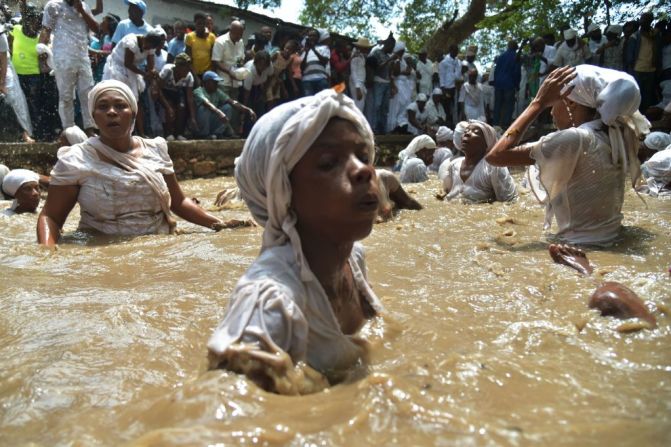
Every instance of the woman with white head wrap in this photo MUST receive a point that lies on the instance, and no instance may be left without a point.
(657, 169)
(403, 88)
(458, 133)
(124, 185)
(444, 141)
(470, 177)
(288, 307)
(584, 165)
(4, 170)
(23, 186)
(413, 160)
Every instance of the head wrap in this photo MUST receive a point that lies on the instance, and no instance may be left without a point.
(570, 34)
(277, 142)
(459, 130)
(422, 97)
(437, 91)
(113, 86)
(615, 29)
(323, 34)
(657, 141)
(417, 144)
(156, 31)
(4, 170)
(74, 135)
(17, 178)
(400, 46)
(444, 133)
(616, 96)
(487, 131)
(592, 27)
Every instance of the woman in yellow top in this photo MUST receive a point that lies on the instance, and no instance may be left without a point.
(199, 45)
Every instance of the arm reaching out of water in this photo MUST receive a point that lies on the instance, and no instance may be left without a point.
(59, 203)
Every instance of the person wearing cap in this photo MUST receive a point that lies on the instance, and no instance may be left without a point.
(134, 24)
(507, 76)
(213, 107)
(471, 53)
(315, 62)
(656, 171)
(175, 94)
(595, 41)
(402, 87)
(24, 187)
(610, 53)
(357, 77)
(572, 51)
(472, 99)
(417, 116)
(435, 110)
(424, 72)
(199, 44)
(70, 21)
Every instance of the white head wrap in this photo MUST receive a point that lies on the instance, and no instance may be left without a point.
(437, 91)
(657, 141)
(570, 34)
(74, 135)
(459, 130)
(400, 46)
(422, 97)
(111, 85)
(444, 133)
(487, 131)
(592, 27)
(417, 144)
(15, 179)
(323, 34)
(4, 170)
(277, 142)
(616, 96)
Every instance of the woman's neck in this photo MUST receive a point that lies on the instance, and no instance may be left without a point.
(473, 159)
(121, 144)
(326, 260)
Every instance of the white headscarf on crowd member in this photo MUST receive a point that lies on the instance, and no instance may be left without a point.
(277, 142)
(616, 96)
(125, 160)
(570, 34)
(444, 133)
(418, 143)
(657, 141)
(15, 179)
(4, 170)
(400, 46)
(459, 130)
(323, 34)
(75, 135)
(487, 131)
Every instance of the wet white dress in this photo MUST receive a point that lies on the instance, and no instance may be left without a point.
(114, 200)
(585, 189)
(657, 173)
(413, 170)
(115, 67)
(273, 308)
(486, 183)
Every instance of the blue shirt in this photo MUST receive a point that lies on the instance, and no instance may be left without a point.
(508, 71)
(176, 46)
(126, 27)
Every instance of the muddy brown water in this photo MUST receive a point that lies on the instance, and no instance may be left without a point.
(486, 341)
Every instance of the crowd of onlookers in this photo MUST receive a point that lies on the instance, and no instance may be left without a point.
(192, 81)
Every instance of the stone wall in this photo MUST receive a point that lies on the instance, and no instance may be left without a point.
(192, 159)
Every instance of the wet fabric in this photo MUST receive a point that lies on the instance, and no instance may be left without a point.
(15, 97)
(657, 173)
(439, 156)
(486, 183)
(115, 68)
(473, 98)
(405, 87)
(413, 170)
(4, 170)
(70, 31)
(279, 304)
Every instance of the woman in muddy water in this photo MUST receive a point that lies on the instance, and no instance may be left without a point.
(306, 173)
(124, 185)
(584, 164)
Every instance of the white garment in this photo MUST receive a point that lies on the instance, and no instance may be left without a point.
(416, 144)
(357, 78)
(160, 60)
(421, 117)
(449, 71)
(425, 70)
(279, 301)
(4, 170)
(585, 188)
(572, 56)
(435, 113)
(486, 183)
(70, 31)
(167, 74)
(405, 88)
(229, 54)
(657, 173)
(439, 156)
(256, 78)
(595, 45)
(114, 200)
(473, 98)
(413, 170)
(16, 178)
(115, 67)
(15, 96)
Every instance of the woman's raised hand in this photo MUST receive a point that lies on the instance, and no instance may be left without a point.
(551, 89)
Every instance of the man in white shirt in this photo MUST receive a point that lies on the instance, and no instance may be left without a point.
(449, 72)
(70, 21)
(254, 85)
(472, 99)
(596, 41)
(357, 78)
(417, 115)
(424, 72)
(228, 53)
(435, 110)
(572, 51)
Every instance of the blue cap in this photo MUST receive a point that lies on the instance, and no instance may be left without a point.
(211, 76)
(139, 3)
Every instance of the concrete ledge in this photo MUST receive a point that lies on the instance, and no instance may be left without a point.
(193, 158)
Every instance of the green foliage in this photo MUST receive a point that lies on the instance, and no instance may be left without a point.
(353, 17)
(244, 4)
(421, 19)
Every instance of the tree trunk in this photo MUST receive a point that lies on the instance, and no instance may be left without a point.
(456, 32)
